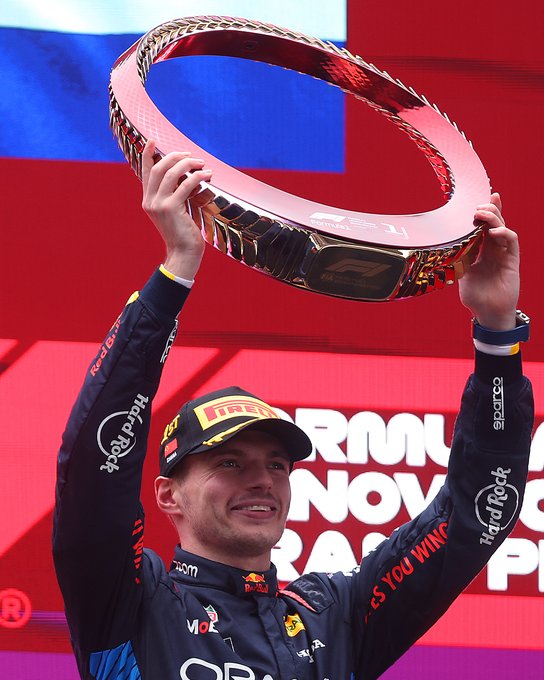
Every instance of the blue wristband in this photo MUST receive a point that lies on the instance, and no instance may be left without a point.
(518, 334)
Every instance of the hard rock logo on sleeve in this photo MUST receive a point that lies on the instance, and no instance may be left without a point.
(116, 434)
(496, 505)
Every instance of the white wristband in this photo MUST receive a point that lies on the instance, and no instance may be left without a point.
(496, 350)
(184, 282)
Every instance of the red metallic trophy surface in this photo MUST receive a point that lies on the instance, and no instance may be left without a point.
(321, 248)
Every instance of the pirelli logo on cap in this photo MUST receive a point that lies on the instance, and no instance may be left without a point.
(212, 412)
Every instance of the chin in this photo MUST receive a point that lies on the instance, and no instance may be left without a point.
(255, 544)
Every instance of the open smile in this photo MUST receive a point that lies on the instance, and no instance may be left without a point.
(255, 510)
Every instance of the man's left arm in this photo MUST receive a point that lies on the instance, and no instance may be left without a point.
(410, 580)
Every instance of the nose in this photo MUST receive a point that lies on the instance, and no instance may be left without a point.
(258, 476)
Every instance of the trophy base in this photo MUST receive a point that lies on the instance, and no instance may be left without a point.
(322, 264)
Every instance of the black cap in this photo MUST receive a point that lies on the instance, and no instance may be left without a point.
(212, 419)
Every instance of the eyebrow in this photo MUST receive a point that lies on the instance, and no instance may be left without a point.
(239, 452)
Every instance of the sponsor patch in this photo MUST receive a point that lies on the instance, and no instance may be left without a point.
(214, 617)
(255, 583)
(309, 653)
(108, 344)
(215, 411)
(496, 505)
(498, 404)
(228, 670)
(293, 625)
(170, 447)
(116, 434)
(169, 429)
(169, 342)
(197, 627)
(184, 568)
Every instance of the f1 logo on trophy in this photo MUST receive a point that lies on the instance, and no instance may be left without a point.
(342, 253)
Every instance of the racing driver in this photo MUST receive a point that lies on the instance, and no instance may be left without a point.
(217, 613)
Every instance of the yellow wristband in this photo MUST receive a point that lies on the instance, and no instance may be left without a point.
(496, 350)
(184, 282)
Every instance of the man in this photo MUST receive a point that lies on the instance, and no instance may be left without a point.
(225, 459)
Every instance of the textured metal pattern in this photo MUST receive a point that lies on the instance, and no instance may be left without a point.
(325, 249)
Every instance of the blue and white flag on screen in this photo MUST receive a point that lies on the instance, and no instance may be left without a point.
(55, 66)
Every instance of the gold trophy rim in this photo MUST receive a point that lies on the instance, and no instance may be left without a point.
(226, 219)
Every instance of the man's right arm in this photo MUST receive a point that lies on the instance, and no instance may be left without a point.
(98, 522)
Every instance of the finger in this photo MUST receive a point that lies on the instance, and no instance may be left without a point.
(159, 169)
(494, 205)
(506, 238)
(491, 216)
(176, 174)
(491, 207)
(147, 160)
(190, 184)
(496, 200)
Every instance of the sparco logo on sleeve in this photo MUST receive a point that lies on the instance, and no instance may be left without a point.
(116, 434)
(496, 505)
(498, 404)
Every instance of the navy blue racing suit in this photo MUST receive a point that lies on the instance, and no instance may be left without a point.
(131, 618)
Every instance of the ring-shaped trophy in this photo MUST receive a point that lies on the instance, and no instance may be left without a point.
(342, 253)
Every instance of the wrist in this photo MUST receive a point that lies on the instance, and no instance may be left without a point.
(188, 283)
(164, 295)
(184, 263)
(518, 332)
(495, 322)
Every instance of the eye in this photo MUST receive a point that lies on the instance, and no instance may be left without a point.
(229, 463)
(279, 465)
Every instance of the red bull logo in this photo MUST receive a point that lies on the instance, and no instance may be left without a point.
(255, 583)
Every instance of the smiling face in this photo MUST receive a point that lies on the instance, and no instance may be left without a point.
(230, 504)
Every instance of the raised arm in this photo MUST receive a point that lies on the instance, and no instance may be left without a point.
(98, 521)
(410, 580)
(490, 287)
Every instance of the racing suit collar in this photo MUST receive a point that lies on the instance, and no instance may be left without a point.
(191, 569)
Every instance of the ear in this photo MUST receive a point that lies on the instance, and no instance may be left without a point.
(164, 494)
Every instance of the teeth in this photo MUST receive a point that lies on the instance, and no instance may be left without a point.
(265, 508)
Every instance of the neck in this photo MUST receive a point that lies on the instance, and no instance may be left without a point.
(239, 560)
